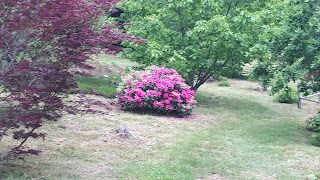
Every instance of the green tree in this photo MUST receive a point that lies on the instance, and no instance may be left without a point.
(198, 38)
(290, 35)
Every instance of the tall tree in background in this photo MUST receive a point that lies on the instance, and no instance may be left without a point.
(198, 38)
(41, 41)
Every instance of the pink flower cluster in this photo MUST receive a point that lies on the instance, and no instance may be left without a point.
(156, 88)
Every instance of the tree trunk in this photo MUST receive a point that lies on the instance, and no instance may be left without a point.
(201, 80)
(191, 79)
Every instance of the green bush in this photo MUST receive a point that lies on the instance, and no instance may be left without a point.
(101, 85)
(222, 78)
(315, 139)
(262, 72)
(224, 83)
(313, 123)
(286, 95)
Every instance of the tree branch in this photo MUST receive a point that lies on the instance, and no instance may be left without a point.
(26, 138)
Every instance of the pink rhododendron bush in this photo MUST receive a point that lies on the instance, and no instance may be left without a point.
(156, 89)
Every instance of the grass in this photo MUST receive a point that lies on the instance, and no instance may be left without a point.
(106, 75)
(251, 141)
(234, 133)
(224, 83)
(102, 85)
(108, 64)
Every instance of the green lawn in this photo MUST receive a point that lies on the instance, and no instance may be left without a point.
(106, 75)
(102, 85)
(235, 132)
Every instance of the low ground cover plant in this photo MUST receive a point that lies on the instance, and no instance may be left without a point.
(156, 89)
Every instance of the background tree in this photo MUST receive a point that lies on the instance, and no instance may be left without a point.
(198, 38)
(41, 42)
(262, 72)
(291, 37)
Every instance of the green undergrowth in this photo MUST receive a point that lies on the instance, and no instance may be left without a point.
(223, 81)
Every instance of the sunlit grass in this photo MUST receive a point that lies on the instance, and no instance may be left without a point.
(102, 85)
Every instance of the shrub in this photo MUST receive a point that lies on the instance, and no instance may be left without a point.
(286, 95)
(262, 72)
(315, 139)
(224, 83)
(313, 123)
(156, 89)
(222, 78)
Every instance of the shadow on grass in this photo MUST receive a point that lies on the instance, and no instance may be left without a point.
(224, 104)
(240, 116)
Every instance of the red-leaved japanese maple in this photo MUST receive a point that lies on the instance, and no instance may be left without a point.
(41, 41)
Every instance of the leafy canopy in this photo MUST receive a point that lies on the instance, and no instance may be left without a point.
(290, 38)
(198, 38)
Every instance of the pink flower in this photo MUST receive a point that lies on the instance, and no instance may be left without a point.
(169, 107)
(167, 101)
(137, 98)
(140, 93)
(151, 93)
(128, 91)
(175, 93)
(156, 104)
(161, 104)
(139, 85)
(122, 98)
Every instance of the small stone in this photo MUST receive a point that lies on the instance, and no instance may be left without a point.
(121, 132)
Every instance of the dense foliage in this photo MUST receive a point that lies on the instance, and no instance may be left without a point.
(41, 43)
(313, 123)
(198, 38)
(262, 72)
(286, 95)
(289, 37)
(156, 89)
(201, 38)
